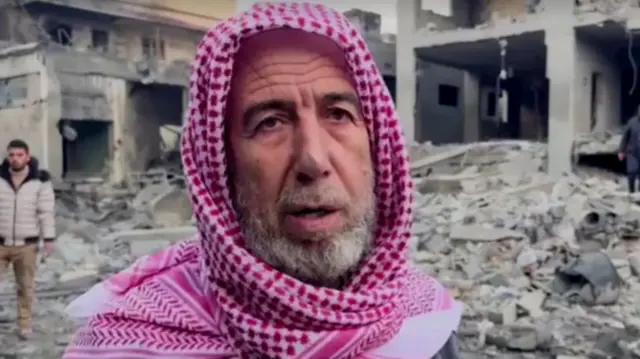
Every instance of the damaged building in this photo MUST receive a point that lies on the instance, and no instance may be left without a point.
(543, 70)
(383, 48)
(381, 45)
(98, 88)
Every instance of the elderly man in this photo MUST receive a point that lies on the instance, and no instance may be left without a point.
(301, 188)
(26, 215)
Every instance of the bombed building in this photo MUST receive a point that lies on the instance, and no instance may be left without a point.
(381, 45)
(98, 87)
(533, 69)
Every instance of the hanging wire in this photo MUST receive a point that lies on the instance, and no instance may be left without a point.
(502, 75)
(632, 60)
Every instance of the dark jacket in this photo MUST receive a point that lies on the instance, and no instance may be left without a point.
(27, 211)
(449, 350)
(630, 141)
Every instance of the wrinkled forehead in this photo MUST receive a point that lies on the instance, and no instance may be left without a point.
(295, 52)
(288, 42)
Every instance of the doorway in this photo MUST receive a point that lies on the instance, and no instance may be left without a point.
(88, 154)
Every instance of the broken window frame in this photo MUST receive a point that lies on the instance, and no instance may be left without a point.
(12, 95)
(102, 48)
(448, 95)
(153, 47)
(59, 32)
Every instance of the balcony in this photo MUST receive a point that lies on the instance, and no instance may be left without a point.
(471, 21)
(112, 10)
(87, 63)
(469, 14)
(615, 9)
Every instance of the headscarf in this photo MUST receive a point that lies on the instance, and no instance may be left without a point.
(210, 298)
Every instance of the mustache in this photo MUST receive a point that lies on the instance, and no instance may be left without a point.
(316, 196)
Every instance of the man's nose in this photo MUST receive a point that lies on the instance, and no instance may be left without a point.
(312, 159)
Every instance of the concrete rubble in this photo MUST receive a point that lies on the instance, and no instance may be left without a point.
(597, 142)
(485, 15)
(102, 230)
(612, 7)
(546, 267)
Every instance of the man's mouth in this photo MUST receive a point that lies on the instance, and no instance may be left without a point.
(304, 222)
(312, 212)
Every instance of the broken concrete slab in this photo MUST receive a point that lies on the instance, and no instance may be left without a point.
(423, 163)
(173, 234)
(79, 278)
(478, 233)
(148, 193)
(147, 241)
(634, 263)
(171, 208)
(72, 248)
(532, 303)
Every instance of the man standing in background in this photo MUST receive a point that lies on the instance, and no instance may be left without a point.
(629, 150)
(26, 215)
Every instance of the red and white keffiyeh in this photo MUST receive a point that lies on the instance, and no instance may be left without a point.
(209, 298)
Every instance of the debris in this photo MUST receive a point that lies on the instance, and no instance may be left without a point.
(592, 277)
(532, 303)
(171, 208)
(421, 164)
(542, 264)
(634, 262)
(527, 260)
(482, 234)
(101, 229)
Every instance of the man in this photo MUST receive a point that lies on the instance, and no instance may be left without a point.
(301, 188)
(26, 215)
(629, 150)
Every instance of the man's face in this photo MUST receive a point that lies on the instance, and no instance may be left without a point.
(300, 158)
(18, 158)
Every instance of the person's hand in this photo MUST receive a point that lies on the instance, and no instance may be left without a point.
(620, 156)
(47, 249)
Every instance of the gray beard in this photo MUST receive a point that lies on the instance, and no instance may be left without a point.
(327, 264)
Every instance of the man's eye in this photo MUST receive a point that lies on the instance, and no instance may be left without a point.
(268, 123)
(339, 114)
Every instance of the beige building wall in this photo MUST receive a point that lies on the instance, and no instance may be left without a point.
(31, 101)
(500, 9)
(125, 41)
(22, 102)
(197, 13)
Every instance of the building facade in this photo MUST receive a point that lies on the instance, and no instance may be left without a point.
(108, 74)
(383, 48)
(533, 69)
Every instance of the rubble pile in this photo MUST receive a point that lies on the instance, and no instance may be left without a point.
(101, 229)
(597, 142)
(546, 267)
(608, 7)
(487, 16)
